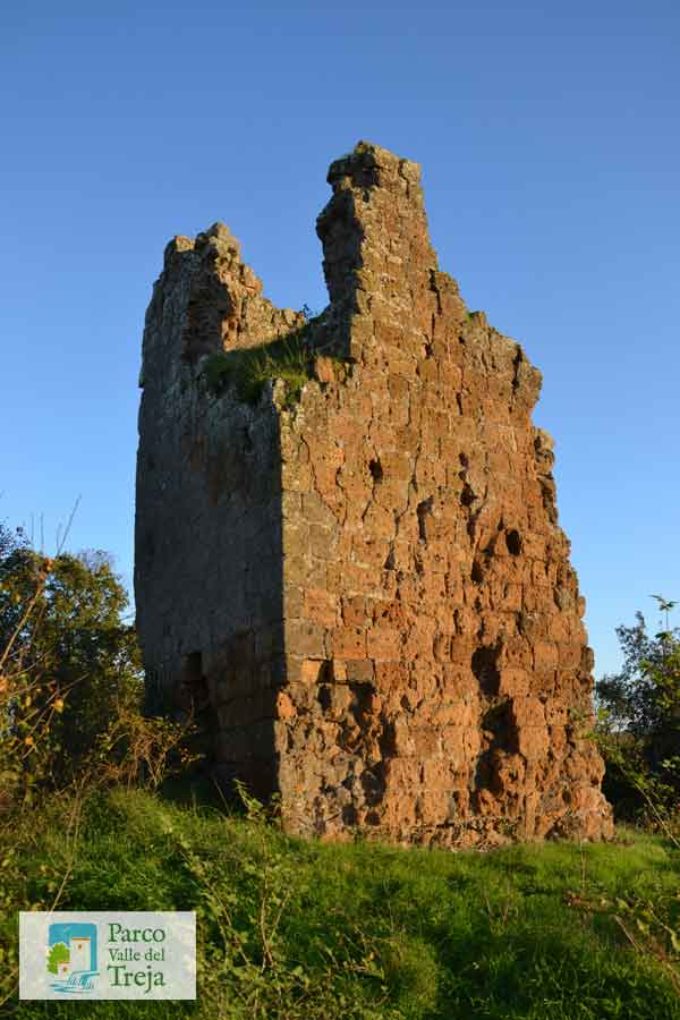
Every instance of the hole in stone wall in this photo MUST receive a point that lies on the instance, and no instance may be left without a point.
(375, 467)
(500, 721)
(324, 697)
(477, 573)
(467, 496)
(423, 510)
(387, 740)
(485, 669)
(501, 738)
(516, 363)
(464, 460)
(373, 783)
(471, 526)
(325, 675)
(362, 700)
(514, 542)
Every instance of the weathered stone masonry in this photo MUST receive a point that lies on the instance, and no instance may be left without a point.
(366, 591)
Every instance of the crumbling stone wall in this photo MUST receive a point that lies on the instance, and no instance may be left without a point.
(368, 590)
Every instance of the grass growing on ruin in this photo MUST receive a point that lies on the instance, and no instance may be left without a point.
(293, 930)
(249, 370)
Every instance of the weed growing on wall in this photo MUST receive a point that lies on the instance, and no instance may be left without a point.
(248, 370)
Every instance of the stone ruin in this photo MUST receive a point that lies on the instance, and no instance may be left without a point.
(358, 584)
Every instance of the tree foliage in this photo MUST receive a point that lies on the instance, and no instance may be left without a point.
(640, 718)
(71, 685)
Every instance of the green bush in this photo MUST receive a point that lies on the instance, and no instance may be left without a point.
(639, 724)
(70, 677)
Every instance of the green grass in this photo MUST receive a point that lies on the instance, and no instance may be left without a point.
(248, 370)
(292, 929)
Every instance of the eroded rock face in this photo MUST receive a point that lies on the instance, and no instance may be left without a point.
(366, 593)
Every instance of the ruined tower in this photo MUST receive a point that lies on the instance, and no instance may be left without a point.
(347, 550)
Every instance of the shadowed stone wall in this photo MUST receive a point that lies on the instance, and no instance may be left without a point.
(366, 591)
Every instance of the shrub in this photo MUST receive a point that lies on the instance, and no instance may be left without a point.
(70, 677)
(639, 723)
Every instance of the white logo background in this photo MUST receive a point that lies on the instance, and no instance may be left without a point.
(140, 955)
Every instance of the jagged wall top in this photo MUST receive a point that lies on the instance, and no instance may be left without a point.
(374, 223)
(218, 298)
(371, 229)
(388, 298)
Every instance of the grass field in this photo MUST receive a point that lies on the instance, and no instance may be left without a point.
(305, 930)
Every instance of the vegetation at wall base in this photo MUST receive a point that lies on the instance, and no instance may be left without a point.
(291, 929)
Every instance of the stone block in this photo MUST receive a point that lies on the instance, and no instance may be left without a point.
(349, 642)
(320, 606)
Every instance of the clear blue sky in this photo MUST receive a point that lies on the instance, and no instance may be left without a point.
(549, 139)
